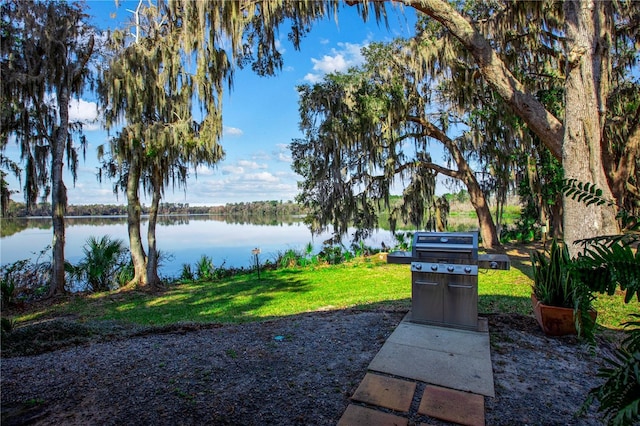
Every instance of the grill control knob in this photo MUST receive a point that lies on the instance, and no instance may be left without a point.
(467, 269)
(434, 267)
(450, 268)
(418, 267)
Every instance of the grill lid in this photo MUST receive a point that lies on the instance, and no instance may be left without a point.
(454, 247)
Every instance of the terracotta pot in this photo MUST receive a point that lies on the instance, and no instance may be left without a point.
(554, 320)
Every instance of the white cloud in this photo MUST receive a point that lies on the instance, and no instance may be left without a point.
(85, 113)
(280, 48)
(81, 110)
(232, 131)
(245, 187)
(283, 154)
(261, 177)
(204, 171)
(251, 165)
(261, 155)
(329, 64)
(346, 56)
(232, 170)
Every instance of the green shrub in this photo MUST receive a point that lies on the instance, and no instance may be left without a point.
(609, 262)
(7, 326)
(552, 283)
(103, 259)
(334, 254)
(619, 395)
(288, 259)
(7, 290)
(24, 280)
(187, 274)
(204, 269)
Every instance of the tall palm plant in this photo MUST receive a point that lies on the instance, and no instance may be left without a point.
(103, 259)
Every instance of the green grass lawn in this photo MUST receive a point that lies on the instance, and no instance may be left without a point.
(363, 283)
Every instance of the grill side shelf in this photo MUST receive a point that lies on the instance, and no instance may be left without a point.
(485, 261)
(400, 257)
(494, 261)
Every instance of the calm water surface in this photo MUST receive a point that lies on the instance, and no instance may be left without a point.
(185, 238)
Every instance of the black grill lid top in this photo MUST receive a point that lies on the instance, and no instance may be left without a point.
(467, 239)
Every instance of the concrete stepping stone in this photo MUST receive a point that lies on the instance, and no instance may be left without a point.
(356, 415)
(452, 405)
(384, 391)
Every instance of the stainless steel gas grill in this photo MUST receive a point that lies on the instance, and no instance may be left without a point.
(444, 277)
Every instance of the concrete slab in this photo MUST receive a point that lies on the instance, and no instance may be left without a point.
(387, 392)
(356, 415)
(448, 357)
(453, 406)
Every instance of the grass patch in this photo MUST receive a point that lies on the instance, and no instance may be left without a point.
(363, 283)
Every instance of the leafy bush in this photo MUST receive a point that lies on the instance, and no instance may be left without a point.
(187, 274)
(607, 263)
(288, 259)
(24, 280)
(205, 269)
(619, 395)
(7, 290)
(7, 326)
(552, 283)
(334, 254)
(404, 241)
(126, 274)
(525, 230)
(103, 259)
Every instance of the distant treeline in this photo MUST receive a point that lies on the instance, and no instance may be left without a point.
(271, 208)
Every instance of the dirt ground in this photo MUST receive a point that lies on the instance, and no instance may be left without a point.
(299, 370)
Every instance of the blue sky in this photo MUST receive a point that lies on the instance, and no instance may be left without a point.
(260, 114)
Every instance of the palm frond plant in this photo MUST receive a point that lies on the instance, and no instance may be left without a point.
(204, 268)
(619, 395)
(103, 259)
(607, 263)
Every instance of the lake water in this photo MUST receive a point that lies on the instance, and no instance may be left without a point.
(185, 238)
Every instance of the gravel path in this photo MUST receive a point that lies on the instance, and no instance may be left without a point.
(294, 371)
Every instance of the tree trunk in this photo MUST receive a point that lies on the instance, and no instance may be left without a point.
(488, 230)
(579, 141)
(153, 280)
(556, 218)
(619, 172)
(59, 196)
(138, 256)
(585, 91)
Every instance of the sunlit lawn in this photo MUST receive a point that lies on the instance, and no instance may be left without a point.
(363, 283)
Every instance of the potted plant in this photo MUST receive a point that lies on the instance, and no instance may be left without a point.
(559, 298)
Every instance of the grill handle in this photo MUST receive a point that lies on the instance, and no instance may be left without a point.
(420, 282)
(460, 286)
(443, 250)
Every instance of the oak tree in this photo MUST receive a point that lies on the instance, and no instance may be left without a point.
(46, 48)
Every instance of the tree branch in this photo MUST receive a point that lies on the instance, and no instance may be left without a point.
(548, 128)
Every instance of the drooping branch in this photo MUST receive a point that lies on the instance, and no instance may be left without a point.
(543, 123)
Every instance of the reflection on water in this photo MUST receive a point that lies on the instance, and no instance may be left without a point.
(227, 240)
(13, 226)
